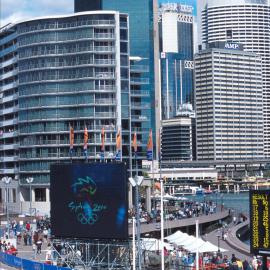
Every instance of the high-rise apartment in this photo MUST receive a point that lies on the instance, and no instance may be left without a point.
(229, 99)
(57, 73)
(246, 22)
(144, 45)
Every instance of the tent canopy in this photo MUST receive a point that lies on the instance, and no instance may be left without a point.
(191, 243)
(152, 244)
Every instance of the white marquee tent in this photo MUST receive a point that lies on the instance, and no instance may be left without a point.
(191, 243)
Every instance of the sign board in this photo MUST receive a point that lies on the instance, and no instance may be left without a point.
(231, 46)
(89, 200)
(259, 222)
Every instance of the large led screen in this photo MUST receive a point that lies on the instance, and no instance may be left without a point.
(89, 201)
(259, 222)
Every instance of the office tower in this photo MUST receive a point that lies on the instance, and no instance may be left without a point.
(176, 140)
(246, 22)
(87, 5)
(229, 115)
(143, 32)
(62, 73)
(176, 58)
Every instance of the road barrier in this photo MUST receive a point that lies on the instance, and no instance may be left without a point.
(24, 264)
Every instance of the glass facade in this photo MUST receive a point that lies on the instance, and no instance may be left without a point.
(176, 84)
(73, 71)
(176, 57)
(142, 46)
(86, 5)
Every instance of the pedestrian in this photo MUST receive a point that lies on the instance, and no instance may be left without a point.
(39, 244)
(34, 248)
(233, 259)
(234, 220)
(254, 263)
(246, 265)
(25, 238)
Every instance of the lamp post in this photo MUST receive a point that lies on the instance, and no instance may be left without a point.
(218, 238)
(7, 180)
(222, 206)
(29, 180)
(136, 182)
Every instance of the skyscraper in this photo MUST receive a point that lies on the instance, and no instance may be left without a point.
(228, 103)
(176, 58)
(59, 74)
(246, 22)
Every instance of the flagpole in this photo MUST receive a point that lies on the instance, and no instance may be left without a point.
(161, 206)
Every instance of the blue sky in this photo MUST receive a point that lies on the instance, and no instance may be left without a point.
(15, 10)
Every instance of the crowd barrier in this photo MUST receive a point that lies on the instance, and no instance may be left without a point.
(24, 264)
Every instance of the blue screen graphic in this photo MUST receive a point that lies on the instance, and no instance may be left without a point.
(89, 200)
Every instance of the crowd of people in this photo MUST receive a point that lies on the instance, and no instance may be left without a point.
(186, 209)
(181, 259)
(26, 234)
(7, 247)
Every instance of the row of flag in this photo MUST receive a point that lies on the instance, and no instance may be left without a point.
(149, 153)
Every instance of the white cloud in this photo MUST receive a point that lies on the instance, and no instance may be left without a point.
(15, 10)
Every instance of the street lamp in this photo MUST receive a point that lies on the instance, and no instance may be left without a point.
(29, 180)
(222, 206)
(218, 238)
(7, 180)
(136, 182)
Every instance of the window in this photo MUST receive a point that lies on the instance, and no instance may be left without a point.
(40, 194)
(14, 195)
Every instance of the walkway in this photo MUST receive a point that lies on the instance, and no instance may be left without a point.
(212, 237)
(147, 228)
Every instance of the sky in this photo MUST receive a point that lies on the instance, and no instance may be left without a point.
(16, 10)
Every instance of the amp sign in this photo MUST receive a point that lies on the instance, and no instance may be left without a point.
(232, 46)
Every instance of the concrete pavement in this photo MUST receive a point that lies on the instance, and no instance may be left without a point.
(212, 237)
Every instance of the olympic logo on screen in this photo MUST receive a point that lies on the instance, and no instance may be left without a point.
(87, 211)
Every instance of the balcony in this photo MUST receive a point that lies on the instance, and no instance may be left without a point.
(139, 69)
(9, 74)
(105, 102)
(105, 75)
(104, 62)
(136, 81)
(9, 146)
(104, 36)
(9, 110)
(105, 114)
(9, 159)
(10, 98)
(9, 134)
(8, 50)
(139, 93)
(11, 61)
(8, 86)
(139, 105)
(9, 171)
(105, 88)
(104, 49)
(140, 118)
(9, 122)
